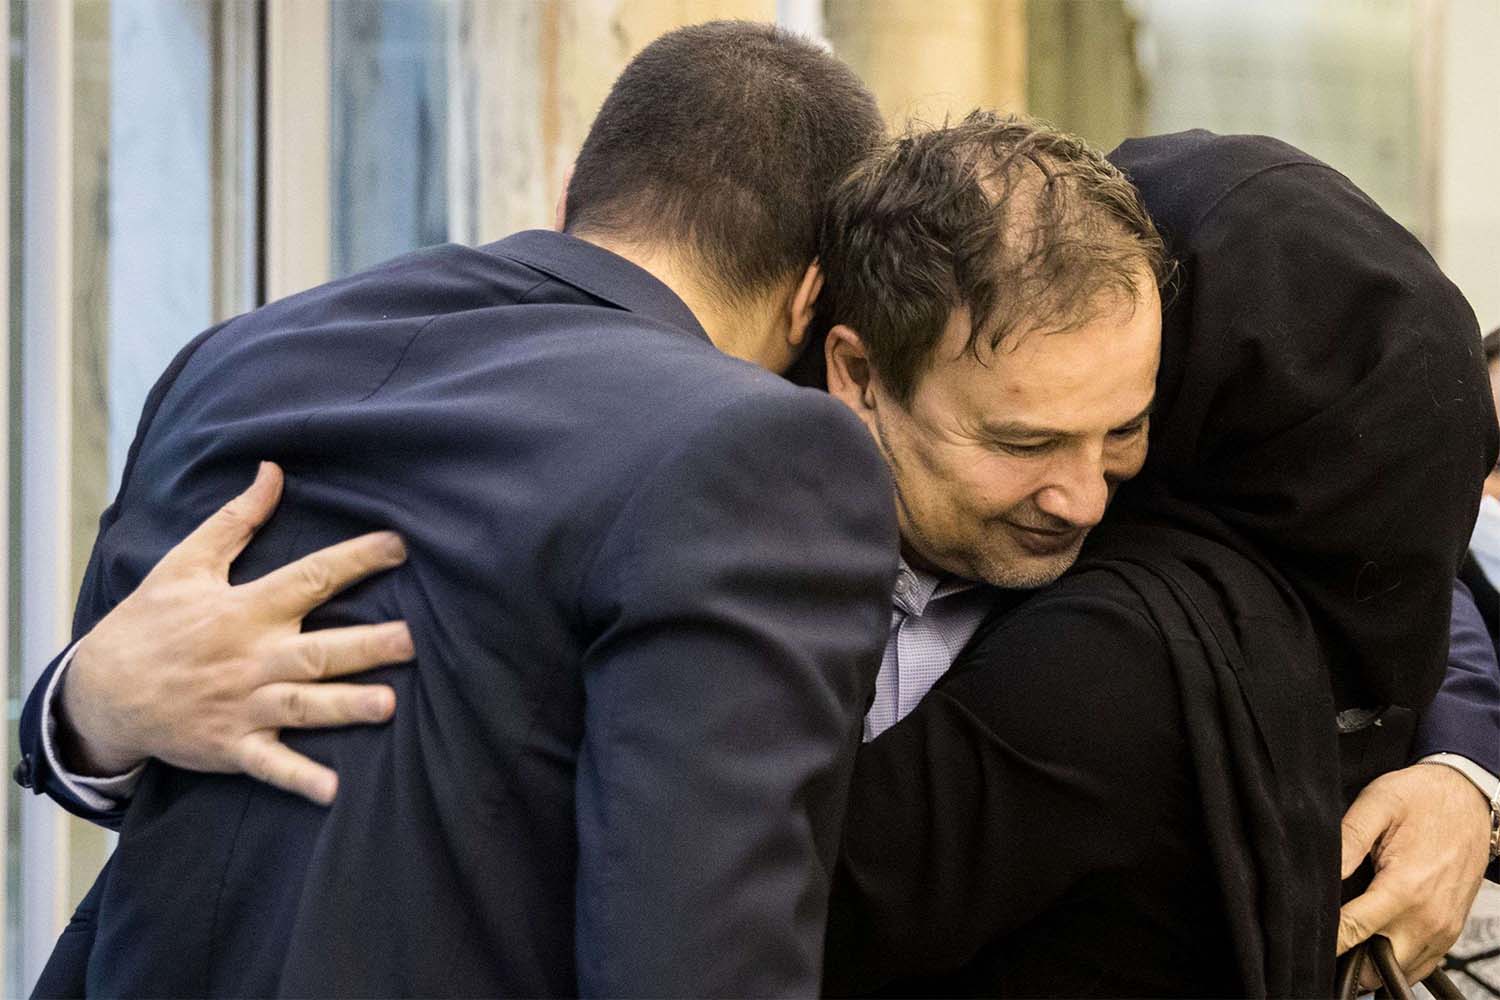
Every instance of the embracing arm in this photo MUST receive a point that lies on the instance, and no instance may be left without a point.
(39, 768)
(1427, 827)
(1464, 717)
(198, 673)
(739, 606)
(1461, 727)
(202, 675)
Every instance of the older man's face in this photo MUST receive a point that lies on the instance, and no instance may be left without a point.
(1003, 465)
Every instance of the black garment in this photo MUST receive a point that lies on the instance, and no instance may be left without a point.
(1131, 782)
(1322, 395)
(647, 586)
(1031, 828)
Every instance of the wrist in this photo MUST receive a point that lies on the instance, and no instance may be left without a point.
(1486, 789)
(87, 738)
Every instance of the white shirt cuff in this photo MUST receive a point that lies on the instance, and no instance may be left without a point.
(102, 794)
(1487, 783)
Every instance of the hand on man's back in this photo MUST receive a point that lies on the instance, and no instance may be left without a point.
(203, 675)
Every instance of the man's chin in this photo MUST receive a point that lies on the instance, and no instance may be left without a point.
(1028, 572)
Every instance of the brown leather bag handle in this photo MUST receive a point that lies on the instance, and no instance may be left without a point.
(1393, 983)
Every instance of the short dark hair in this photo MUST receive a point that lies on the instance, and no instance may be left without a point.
(1492, 346)
(724, 139)
(1019, 223)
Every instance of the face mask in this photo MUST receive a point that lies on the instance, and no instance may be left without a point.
(1485, 542)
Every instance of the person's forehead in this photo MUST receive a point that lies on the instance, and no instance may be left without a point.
(1098, 373)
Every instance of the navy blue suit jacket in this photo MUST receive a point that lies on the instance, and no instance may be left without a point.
(648, 587)
(1464, 718)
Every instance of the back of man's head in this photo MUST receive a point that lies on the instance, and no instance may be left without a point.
(1022, 226)
(720, 143)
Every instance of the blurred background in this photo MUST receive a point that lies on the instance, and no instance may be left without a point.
(171, 163)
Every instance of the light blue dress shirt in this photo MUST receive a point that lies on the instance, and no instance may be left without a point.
(932, 619)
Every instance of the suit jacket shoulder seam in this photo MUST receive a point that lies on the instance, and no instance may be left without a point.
(400, 360)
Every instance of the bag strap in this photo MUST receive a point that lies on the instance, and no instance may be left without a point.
(1392, 982)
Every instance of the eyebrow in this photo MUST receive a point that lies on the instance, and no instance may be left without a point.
(1018, 429)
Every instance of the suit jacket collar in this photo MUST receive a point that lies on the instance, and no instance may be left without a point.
(600, 273)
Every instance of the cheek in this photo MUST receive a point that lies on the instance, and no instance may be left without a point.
(990, 483)
(1126, 462)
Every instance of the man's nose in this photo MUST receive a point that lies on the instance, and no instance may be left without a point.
(1078, 492)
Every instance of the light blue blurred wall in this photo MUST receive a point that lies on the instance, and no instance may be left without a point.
(160, 239)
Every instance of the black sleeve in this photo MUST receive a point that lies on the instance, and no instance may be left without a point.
(741, 603)
(1053, 751)
(93, 603)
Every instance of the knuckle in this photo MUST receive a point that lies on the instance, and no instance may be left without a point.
(316, 662)
(1428, 916)
(1429, 936)
(234, 516)
(265, 764)
(294, 706)
(255, 759)
(1409, 887)
(377, 646)
(221, 749)
(1421, 934)
(1354, 828)
(317, 580)
(236, 671)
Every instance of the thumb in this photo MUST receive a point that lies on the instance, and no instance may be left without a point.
(1368, 914)
(1363, 823)
(217, 541)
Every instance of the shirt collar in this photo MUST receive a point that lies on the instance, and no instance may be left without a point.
(599, 272)
(915, 589)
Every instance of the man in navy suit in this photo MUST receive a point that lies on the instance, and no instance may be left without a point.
(646, 584)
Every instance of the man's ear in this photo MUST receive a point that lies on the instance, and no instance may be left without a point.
(800, 308)
(851, 380)
(560, 210)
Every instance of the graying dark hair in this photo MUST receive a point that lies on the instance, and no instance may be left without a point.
(1022, 225)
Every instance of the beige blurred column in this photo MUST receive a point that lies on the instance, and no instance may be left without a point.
(89, 846)
(1467, 140)
(929, 60)
(1083, 72)
(296, 156)
(528, 79)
